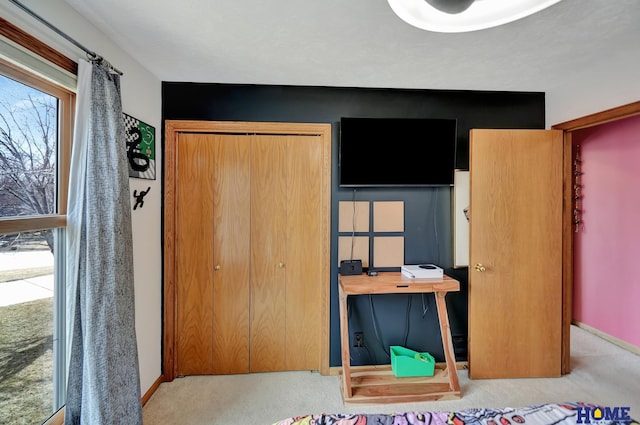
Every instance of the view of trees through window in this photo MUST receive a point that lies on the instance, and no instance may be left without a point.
(28, 147)
(28, 184)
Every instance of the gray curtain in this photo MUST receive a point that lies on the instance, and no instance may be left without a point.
(103, 384)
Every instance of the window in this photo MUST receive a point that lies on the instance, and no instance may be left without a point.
(35, 143)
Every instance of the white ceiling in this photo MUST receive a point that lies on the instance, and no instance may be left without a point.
(362, 43)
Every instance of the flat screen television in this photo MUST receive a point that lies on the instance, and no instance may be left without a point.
(399, 152)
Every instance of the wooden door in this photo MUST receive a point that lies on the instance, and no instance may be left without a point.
(212, 251)
(287, 257)
(231, 248)
(304, 252)
(194, 254)
(268, 254)
(515, 274)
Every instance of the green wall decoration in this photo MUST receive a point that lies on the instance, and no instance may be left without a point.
(140, 142)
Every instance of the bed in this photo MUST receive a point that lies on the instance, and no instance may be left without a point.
(571, 413)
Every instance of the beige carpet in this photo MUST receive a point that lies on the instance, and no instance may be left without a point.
(601, 373)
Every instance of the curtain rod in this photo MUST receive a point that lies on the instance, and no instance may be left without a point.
(91, 55)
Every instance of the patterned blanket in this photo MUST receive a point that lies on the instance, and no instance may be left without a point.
(572, 413)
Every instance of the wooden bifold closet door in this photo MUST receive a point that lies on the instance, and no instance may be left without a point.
(285, 317)
(250, 242)
(212, 254)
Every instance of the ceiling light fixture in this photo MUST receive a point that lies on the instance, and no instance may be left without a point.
(464, 15)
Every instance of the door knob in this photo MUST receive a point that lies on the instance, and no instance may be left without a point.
(281, 265)
(217, 267)
(479, 267)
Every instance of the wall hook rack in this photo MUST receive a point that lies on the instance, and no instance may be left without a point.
(577, 189)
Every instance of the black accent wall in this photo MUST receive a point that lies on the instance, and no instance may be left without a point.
(409, 320)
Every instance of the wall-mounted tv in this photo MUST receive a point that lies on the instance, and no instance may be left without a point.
(400, 152)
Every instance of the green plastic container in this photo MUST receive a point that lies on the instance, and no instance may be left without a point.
(406, 362)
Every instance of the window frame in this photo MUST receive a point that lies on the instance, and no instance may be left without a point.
(32, 44)
(57, 222)
(66, 109)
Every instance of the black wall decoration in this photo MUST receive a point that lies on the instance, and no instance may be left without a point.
(428, 215)
(140, 197)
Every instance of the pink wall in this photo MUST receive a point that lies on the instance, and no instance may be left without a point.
(607, 247)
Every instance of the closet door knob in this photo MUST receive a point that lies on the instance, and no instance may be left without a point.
(281, 265)
(217, 267)
(479, 267)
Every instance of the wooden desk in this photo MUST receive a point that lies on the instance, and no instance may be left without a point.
(369, 384)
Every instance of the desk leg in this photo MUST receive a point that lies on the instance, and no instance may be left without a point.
(344, 342)
(447, 344)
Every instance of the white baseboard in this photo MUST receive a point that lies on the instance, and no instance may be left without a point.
(612, 339)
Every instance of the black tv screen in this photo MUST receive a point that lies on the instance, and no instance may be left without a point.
(379, 152)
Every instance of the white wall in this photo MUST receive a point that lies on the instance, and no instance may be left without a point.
(141, 98)
(607, 83)
(614, 86)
